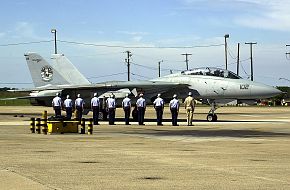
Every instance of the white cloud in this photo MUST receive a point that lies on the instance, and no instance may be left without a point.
(25, 30)
(132, 33)
(273, 15)
(260, 14)
(134, 36)
(137, 38)
(2, 34)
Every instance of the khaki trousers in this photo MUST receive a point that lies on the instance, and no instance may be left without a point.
(189, 113)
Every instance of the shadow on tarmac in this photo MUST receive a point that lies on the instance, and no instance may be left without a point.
(199, 120)
(212, 133)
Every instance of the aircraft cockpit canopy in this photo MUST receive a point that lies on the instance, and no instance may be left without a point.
(211, 71)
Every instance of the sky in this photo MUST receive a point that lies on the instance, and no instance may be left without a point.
(152, 30)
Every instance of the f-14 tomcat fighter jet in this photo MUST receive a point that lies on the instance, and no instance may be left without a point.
(211, 84)
(219, 86)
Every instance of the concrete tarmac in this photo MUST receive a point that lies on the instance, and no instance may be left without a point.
(248, 148)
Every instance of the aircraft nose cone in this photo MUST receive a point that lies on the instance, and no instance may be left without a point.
(264, 91)
(276, 92)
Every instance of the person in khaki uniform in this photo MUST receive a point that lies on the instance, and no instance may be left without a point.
(189, 104)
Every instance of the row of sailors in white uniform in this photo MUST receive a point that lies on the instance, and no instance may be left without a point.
(79, 102)
(111, 106)
(111, 103)
(57, 102)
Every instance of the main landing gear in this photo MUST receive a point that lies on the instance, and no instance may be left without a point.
(211, 116)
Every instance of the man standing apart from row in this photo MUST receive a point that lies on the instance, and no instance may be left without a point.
(57, 105)
(141, 108)
(159, 106)
(95, 105)
(111, 105)
(79, 106)
(174, 109)
(189, 105)
(126, 105)
(68, 105)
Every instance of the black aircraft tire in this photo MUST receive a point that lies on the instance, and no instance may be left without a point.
(211, 117)
(215, 117)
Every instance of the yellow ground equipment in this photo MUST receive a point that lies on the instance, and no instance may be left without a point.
(62, 126)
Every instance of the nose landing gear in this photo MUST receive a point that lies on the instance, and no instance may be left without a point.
(211, 116)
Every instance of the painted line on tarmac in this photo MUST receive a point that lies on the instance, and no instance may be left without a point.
(245, 174)
(25, 181)
(14, 123)
(198, 123)
(246, 115)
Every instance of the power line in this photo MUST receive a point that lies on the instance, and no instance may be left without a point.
(15, 82)
(234, 62)
(231, 54)
(25, 43)
(153, 68)
(245, 70)
(147, 67)
(140, 47)
(108, 75)
(112, 46)
(140, 76)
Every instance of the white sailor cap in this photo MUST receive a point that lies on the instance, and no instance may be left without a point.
(174, 96)
(95, 94)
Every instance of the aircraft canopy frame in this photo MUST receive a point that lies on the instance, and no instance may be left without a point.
(212, 71)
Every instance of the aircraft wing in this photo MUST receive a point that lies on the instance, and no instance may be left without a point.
(115, 85)
(148, 88)
(16, 98)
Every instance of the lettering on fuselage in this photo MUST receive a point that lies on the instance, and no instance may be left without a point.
(244, 86)
(36, 60)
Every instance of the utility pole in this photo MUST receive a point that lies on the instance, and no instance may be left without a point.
(226, 50)
(238, 59)
(251, 51)
(287, 53)
(159, 70)
(55, 47)
(186, 59)
(128, 63)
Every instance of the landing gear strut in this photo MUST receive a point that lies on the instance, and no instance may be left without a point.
(211, 116)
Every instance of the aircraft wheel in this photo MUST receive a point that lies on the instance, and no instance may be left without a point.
(215, 117)
(211, 117)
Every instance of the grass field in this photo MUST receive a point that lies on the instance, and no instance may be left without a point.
(15, 102)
